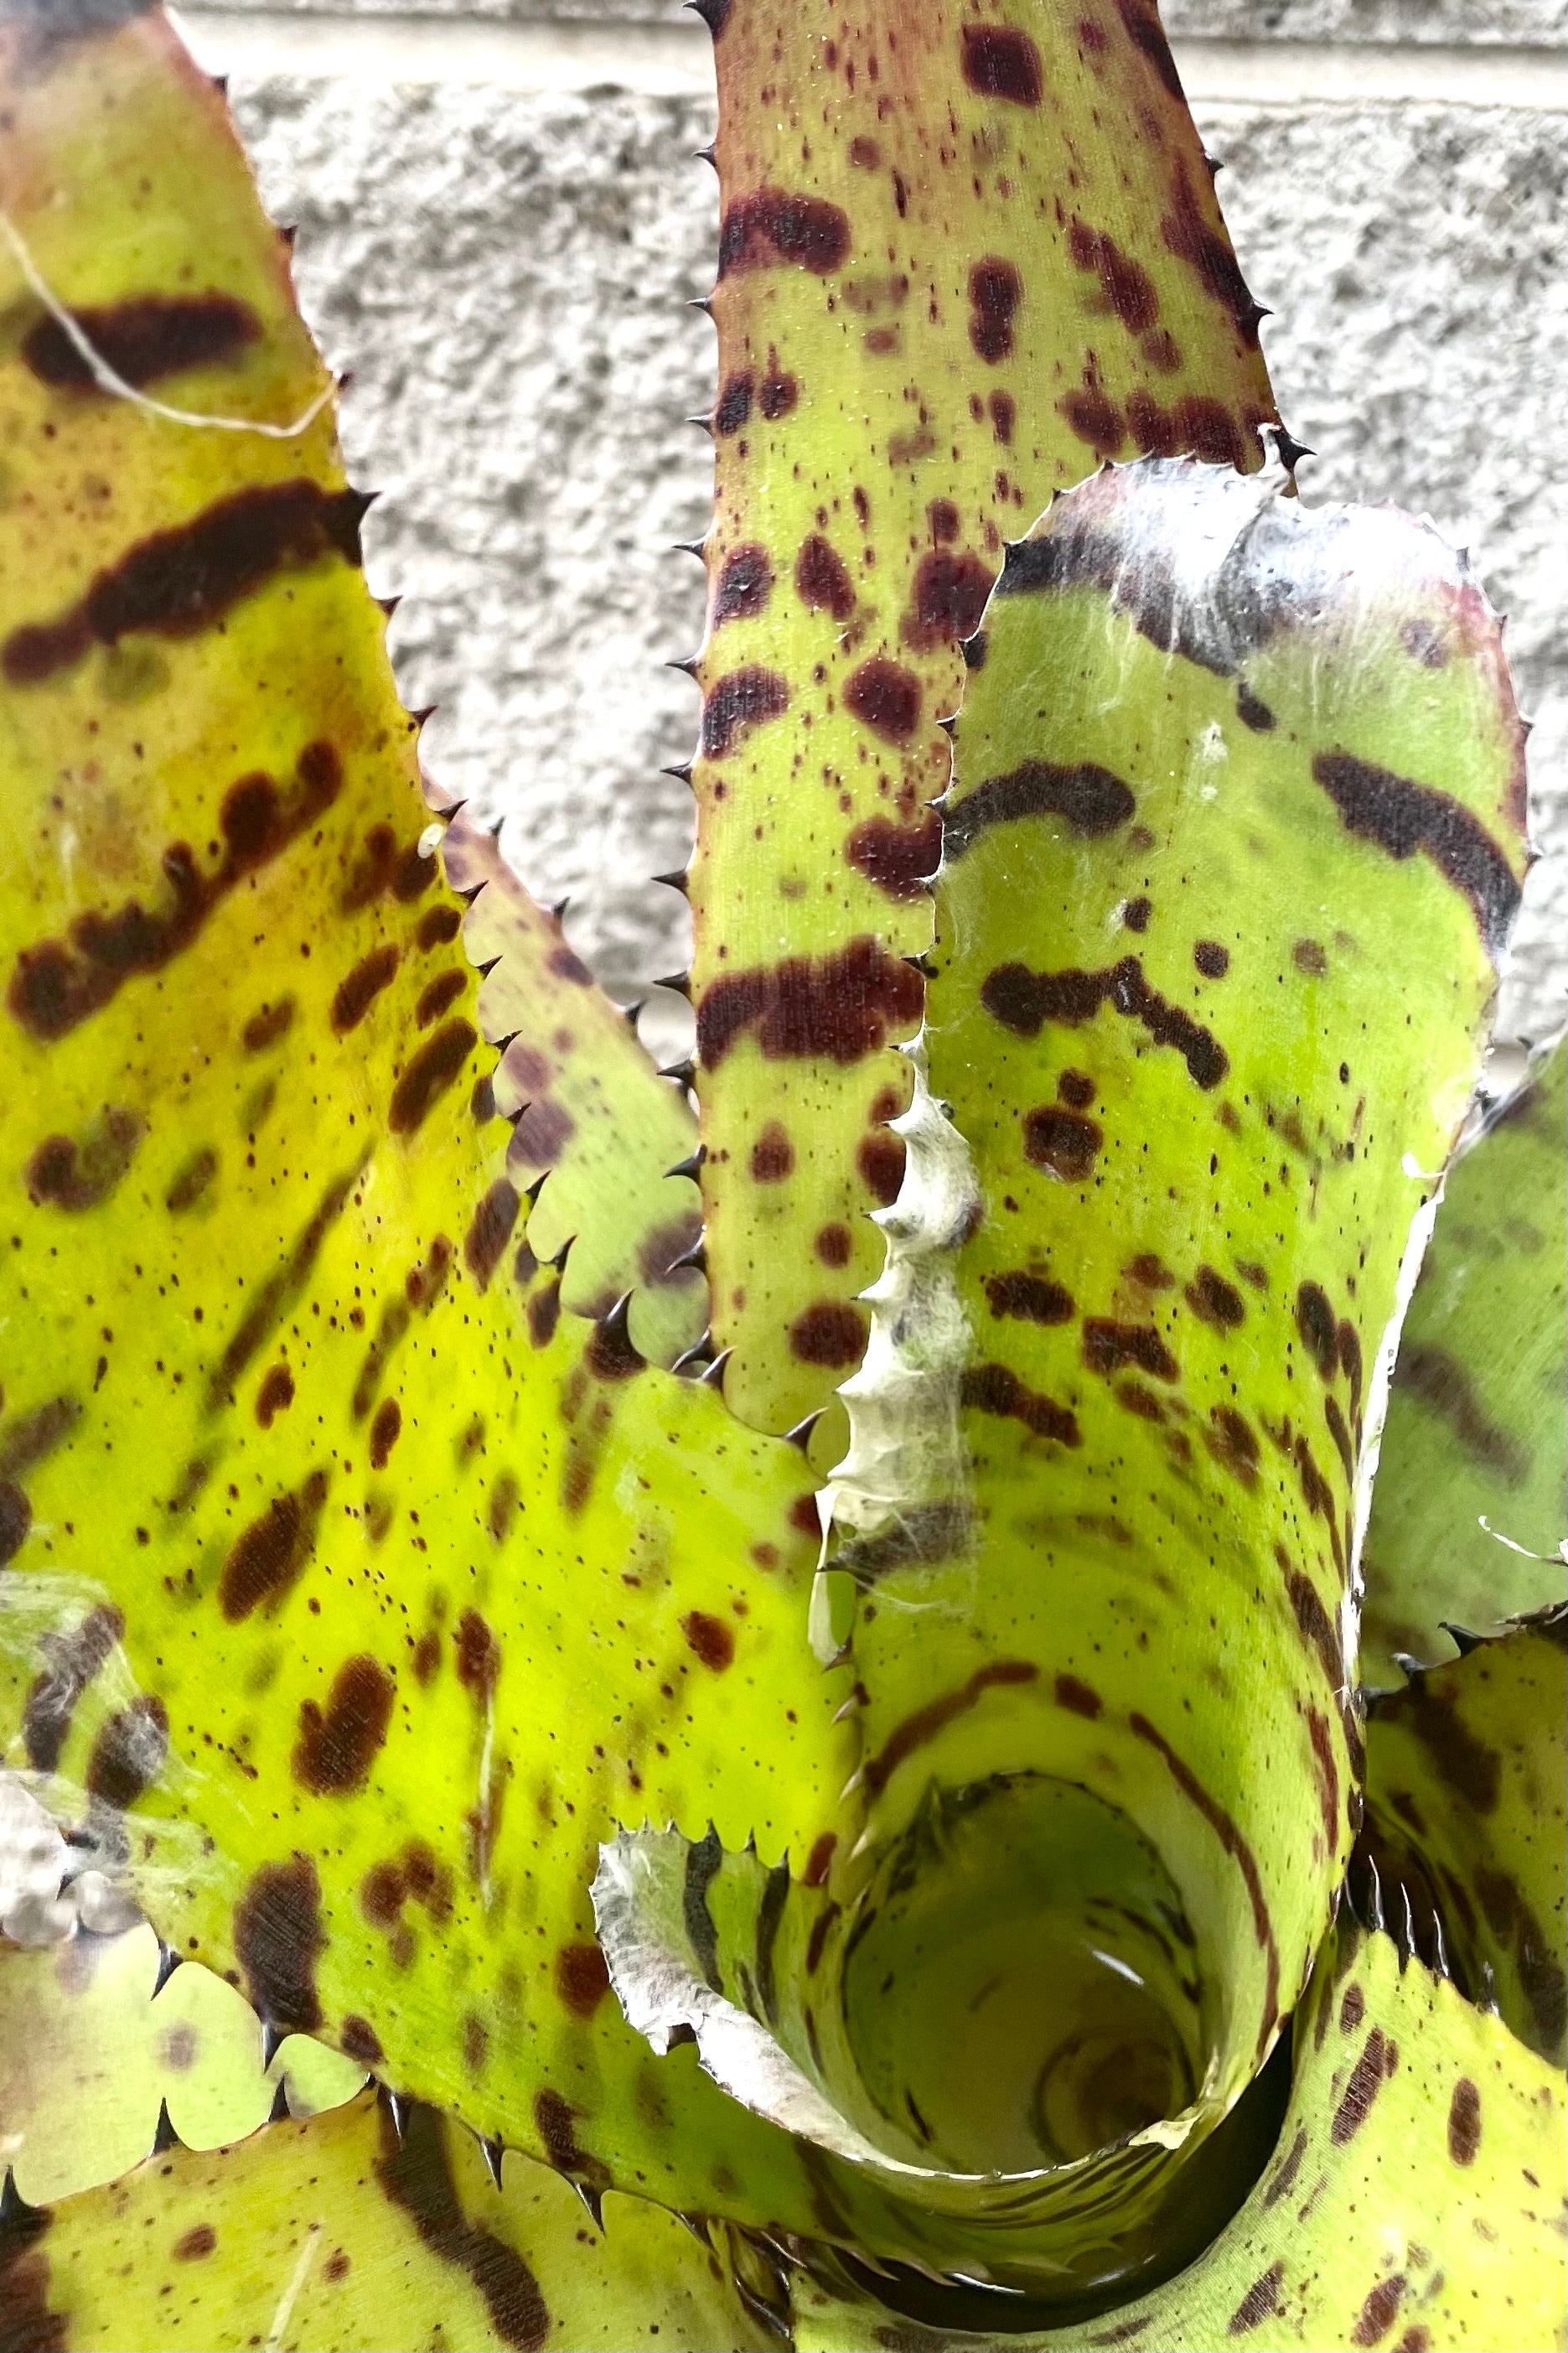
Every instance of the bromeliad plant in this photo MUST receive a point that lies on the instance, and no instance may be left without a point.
(778, 1642)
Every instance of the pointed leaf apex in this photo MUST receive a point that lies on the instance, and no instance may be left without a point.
(680, 982)
(280, 2113)
(677, 879)
(165, 2136)
(691, 1165)
(801, 1434)
(681, 772)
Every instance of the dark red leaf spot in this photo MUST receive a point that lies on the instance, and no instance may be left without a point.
(1214, 1301)
(996, 1389)
(898, 858)
(880, 1159)
(278, 1938)
(384, 1432)
(747, 698)
(1464, 2122)
(772, 226)
(744, 587)
(439, 994)
(582, 1978)
(142, 339)
(995, 290)
(357, 2039)
(916, 1731)
(772, 1155)
(266, 1025)
(1030, 1298)
(733, 405)
(1077, 1697)
(429, 1074)
(710, 1638)
(1000, 62)
(1403, 818)
(1380, 2311)
(948, 599)
(1125, 285)
(837, 1007)
(337, 1746)
(478, 1656)
(886, 698)
(129, 1752)
(1064, 1143)
(358, 990)
(1260, 2303)
(1109, 1347)
(830, 1332)
(822, 579)
(180, 582)
(491, 1229)
(268, 1555)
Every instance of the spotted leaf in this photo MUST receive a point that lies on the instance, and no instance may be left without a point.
(372, 1585)
(1415, 2200)
(1470, 1515)
(95, 2062)
(1232, 780)
(1464, 1846)
(965, 253)
(349, 2232)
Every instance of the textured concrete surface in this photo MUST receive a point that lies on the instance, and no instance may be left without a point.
(1295, 20)
(505, 276)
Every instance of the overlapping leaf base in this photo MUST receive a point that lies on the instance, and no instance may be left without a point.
(1415, 2201)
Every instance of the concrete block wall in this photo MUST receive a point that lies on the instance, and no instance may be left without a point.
(504, 270)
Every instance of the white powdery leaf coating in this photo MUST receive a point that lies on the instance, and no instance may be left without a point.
(33, 1862)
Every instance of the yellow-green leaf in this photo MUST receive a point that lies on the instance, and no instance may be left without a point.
(962, 257)
(1415, 2201)
(1466, 1771)
(343, 2234)
(1232, 780)
(1470, 1515)
(88, 2058)
(377, 1589)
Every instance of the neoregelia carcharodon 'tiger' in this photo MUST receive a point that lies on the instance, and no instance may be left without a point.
(409, 1587)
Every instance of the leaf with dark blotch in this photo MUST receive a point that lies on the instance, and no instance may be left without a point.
(1470, 1515)
(922, 335)
(1197, 1151)
(350, 2231)
(1466, 1766)
(317, 1509)
(1412, 2199)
